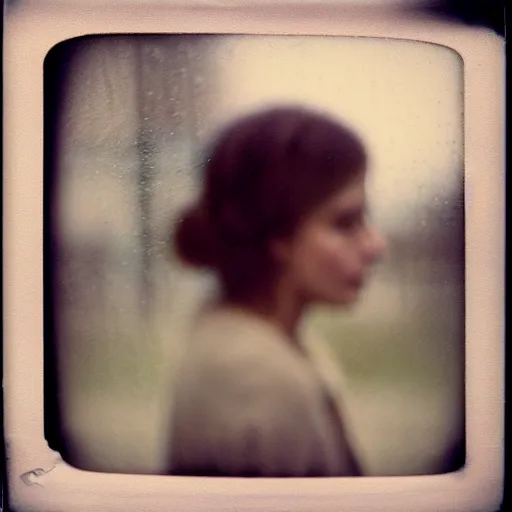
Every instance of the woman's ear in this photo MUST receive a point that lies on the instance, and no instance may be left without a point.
(280, 249)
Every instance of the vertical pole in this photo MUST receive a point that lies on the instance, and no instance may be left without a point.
(145, 148)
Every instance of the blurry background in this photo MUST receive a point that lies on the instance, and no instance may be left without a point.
(126, 120)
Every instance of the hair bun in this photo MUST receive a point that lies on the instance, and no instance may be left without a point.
(194, 242)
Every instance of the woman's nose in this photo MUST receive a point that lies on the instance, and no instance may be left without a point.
(381, 245)
(375, 246)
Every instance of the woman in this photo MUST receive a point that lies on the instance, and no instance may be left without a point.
(282, 222)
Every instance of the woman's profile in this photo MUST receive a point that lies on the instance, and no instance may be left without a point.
(281, 220)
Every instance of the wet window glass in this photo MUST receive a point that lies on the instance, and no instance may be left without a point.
(127, 119)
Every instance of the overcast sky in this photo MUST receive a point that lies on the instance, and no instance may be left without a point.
(403, 98)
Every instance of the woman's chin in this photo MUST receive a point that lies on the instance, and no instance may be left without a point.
(346, 298)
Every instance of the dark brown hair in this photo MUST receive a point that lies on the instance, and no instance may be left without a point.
(263, 175)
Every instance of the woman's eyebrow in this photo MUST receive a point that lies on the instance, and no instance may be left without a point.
(353, 211)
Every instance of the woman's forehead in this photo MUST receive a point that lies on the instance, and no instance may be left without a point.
(349, 197)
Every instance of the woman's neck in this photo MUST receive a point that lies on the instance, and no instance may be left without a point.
(281, 308)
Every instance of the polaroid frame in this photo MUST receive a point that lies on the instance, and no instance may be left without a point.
(38, 479)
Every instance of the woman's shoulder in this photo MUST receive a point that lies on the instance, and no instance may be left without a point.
(246, 385)
(230, 347)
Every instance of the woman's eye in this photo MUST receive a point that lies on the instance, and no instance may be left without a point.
(347, 223)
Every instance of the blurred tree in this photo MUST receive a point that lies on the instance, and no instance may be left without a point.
(434, 240)
(172, 105)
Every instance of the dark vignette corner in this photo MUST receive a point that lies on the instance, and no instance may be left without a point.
(482, 13)
(55, 69)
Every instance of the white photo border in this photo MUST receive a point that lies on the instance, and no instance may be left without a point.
(38, 478)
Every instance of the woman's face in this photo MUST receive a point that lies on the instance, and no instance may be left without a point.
(328, 259)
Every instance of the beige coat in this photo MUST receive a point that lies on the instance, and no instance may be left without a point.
(249, 403)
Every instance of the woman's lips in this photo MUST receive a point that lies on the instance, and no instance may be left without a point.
(356, 282)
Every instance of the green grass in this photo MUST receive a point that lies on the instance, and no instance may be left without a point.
(116, 381)
(120, 366)
(414, 353)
